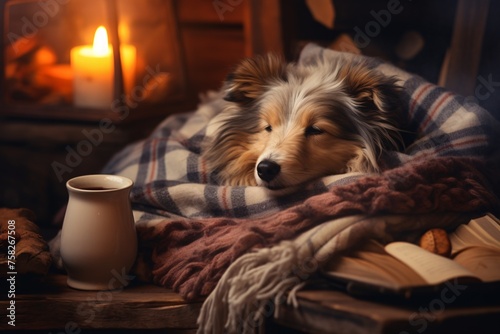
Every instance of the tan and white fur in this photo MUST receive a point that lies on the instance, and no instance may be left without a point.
(285, 124)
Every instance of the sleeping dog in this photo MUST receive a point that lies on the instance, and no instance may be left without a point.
(285, 123)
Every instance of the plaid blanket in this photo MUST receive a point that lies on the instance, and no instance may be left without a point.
(200, 238)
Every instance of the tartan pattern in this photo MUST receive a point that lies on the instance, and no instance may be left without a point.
(171, 181)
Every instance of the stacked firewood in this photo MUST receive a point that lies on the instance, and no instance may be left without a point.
(27, 253)
(33, 73)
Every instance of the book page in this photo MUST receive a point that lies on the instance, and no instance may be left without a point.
(488, 229)
(433, 268)
(373, 265)
(480, 236)
(483, 261)
(483, 232)
(359, 270)
(392, 268)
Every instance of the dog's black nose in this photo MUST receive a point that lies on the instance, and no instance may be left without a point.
(268, 170)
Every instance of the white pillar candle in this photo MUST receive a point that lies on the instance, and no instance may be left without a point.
(93, 72)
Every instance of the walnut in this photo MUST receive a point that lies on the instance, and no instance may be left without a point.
(436, 241)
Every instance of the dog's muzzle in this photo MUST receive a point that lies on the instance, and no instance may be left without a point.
(268, 170)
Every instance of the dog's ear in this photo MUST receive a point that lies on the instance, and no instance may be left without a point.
(252, 77)
(373, 91)
(378, 113)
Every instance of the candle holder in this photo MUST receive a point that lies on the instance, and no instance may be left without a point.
(115, 59)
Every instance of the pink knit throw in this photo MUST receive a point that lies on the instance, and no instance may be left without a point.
(190, 255)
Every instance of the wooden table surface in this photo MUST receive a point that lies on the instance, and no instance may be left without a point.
(51, 306)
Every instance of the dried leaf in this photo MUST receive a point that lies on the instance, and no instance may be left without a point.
(323, 11)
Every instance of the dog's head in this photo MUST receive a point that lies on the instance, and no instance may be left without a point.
(287, 123)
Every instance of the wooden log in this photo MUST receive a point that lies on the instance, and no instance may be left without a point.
(21, 236)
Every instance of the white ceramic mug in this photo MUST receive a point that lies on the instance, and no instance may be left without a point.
(98, 238)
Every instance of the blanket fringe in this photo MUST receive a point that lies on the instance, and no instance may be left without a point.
(253, 287)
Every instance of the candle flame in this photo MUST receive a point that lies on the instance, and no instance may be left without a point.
(101, 47)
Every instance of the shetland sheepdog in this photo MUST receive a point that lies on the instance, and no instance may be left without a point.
(284, 124)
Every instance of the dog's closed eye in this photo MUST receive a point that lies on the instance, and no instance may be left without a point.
(313, 130)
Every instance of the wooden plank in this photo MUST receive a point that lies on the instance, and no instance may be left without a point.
(263, 27)
(331, 311)
(211, 53)
(209, 11)
(466, 46)
(54, 305)
(3, 3)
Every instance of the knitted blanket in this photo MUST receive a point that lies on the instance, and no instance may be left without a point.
(244, 246)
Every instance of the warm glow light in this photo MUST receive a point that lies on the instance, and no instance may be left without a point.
(93, 71)
(100, 46)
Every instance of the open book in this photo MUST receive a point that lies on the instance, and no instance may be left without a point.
(403, 268)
